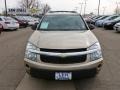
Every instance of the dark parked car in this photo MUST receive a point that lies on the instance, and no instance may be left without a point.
(99, 23)
(91, 20)
(101, 18)
(34, 26)
(1, 28)
(22, 23)
(111, 23)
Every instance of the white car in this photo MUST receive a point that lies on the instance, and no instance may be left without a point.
(9, 23)
(117, 27)
(31, 20)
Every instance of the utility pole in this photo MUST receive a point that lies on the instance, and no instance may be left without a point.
(6, 8)
(104, 8)
(81, 4)
(27, 4)
(99, 7)
(117, 7)
(85, 7)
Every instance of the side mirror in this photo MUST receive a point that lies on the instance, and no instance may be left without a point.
(91, 26)
(34, 26)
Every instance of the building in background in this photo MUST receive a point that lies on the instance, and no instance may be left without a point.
(18, 11)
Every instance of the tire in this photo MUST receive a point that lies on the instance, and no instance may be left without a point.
(32, 74)
(1, 30)
(94, 72)
(117, 31)
(15, 29)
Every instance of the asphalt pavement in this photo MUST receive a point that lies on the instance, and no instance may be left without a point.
(12, 46)
(12, 71)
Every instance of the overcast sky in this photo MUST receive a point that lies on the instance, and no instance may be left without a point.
(109, 5)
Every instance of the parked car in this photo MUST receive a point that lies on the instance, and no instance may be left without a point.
(111, 23)
(31, 20)
(99, 23)
(100, 18)
(63, 48)
(92, 20)
(34, 26)
(117, 27)
(9, 23)
(21, 21)
(1, 28)
(89, 19)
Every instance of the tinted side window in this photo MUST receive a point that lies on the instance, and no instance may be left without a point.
(0, 19)
(113, 17)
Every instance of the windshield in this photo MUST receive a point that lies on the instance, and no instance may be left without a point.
(8, 18)
(19, 17)
(62, 22)
(116, 19)
(104, 17)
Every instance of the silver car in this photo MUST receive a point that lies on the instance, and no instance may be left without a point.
(9, 23)
(117, 27)
(63, 48)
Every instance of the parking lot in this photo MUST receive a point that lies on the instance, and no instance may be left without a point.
(13, 76)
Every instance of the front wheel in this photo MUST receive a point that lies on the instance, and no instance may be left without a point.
(31, 73)
(15, 29)
(94, 72)
(118, 31)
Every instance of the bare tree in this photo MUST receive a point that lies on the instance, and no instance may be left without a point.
(29, 4)
(117, 11)
(34, 6)
(45, 8)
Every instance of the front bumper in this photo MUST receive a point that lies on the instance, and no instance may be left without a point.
(106, 26)
(23, 24)
(11, 27)
(50, 74)
(62, 67)
(116, 28)
(48, 71)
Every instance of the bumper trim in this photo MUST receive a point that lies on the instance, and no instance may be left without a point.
(78, 66)
(64, 54)
(50, 74)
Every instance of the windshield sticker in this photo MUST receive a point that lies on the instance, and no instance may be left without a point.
(44, 25)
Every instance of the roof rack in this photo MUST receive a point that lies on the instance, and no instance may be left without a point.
(62, 11)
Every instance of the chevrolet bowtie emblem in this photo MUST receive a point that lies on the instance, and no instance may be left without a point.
(63, 55)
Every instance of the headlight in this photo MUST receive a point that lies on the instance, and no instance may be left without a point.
(28, 54)
(97, 54)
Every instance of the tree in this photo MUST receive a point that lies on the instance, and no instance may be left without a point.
(45, 8)
(34, 6)
(29, 4)
(117, 11)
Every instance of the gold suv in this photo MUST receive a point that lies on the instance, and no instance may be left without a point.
(63, 48)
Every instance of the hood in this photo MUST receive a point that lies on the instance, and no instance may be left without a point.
(63, 39)
(110, 21)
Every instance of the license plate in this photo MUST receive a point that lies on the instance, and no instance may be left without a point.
(63, 76)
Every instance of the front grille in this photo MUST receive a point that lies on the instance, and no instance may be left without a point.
(63, 60)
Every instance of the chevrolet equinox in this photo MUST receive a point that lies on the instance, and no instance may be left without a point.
(63, 48)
